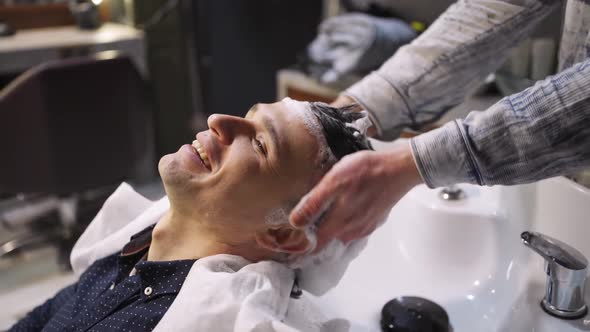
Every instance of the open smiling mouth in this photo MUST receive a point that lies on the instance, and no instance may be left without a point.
(201, 153)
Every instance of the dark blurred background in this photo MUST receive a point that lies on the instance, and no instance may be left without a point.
(220, 57)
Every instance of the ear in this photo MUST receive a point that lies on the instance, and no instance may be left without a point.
(283, 238)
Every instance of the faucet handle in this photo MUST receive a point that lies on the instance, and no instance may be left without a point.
(555, 251)
(566, 270)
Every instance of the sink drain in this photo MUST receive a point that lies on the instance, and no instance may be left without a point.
(414, 314)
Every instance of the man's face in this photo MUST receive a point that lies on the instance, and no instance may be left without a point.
(255, 164)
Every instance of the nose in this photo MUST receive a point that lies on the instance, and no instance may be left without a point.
(228, 127)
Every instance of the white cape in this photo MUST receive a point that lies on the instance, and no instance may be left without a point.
(220, 293)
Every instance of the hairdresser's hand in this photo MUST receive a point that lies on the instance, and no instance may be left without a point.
(357, 194)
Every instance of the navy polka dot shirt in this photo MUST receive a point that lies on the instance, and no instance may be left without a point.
(121, 292)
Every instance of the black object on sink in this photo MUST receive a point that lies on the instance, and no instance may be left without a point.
(414, 314)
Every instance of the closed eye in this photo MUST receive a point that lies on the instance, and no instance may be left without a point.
(260, 146)
(269, 128)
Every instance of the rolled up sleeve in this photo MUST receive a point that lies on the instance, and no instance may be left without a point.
(541, 132)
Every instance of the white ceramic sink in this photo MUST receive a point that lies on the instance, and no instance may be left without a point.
(468, 257)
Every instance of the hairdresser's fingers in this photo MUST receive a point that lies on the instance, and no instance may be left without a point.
(361, 189)
(314, 204)
(350, 236)
(347, 220)
(331, 226)
(365, 231)
(356, 233)
(344, 180)
(371, 183)
(311, 207)
(346, 224)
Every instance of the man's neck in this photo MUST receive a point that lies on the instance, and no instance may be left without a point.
(176, 238)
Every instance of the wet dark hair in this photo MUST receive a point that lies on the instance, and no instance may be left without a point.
(341, 139)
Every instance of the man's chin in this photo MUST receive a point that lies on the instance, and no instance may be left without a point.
(173, 175)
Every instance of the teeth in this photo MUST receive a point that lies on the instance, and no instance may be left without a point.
(201, 153)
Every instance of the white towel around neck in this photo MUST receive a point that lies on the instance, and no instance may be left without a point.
(220, 293)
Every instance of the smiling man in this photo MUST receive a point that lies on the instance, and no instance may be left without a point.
(221, 252)
(249, 168)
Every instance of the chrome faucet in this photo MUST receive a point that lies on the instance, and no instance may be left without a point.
(566, 271)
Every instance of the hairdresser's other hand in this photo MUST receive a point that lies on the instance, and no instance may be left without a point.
(357, 194)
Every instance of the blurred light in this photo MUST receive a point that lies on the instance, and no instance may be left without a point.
(96, 2)
(476, 283)
(509, 270)
(418, 26)
(105, 55)
(470, 297)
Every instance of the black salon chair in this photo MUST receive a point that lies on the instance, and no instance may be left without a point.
(73, 125)
(70, 132)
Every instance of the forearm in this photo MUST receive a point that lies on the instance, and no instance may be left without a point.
(438, 69)
(541, 132)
